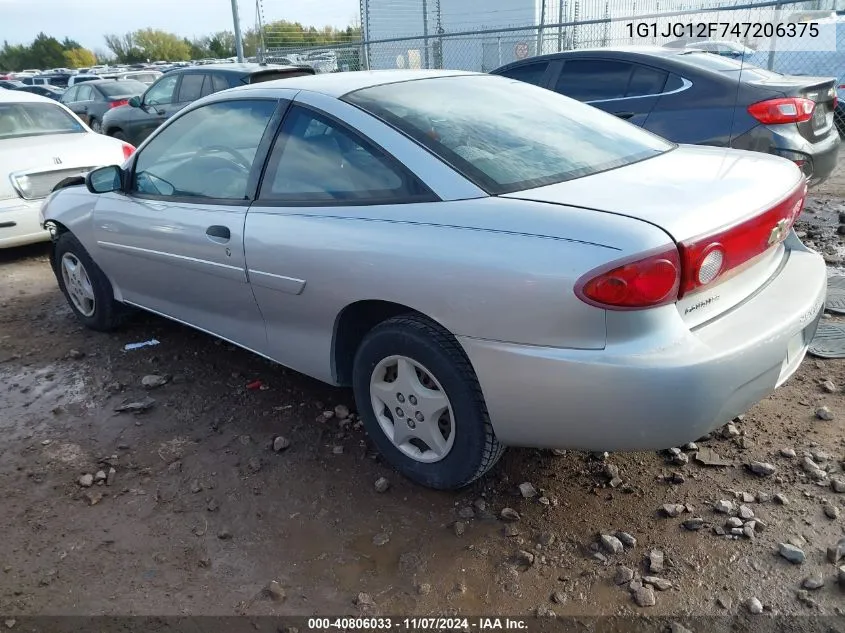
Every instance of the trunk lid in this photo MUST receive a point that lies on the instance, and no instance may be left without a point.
(692, 192)
(821, 90)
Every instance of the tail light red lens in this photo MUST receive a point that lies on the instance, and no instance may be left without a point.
(119, 102)
(645, 282)
(706, 258)
(659, 278)
(785, 110)
(128, 150)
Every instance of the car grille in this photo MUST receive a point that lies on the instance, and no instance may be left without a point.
(42, 183)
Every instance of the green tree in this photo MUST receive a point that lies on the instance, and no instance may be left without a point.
(69, 44)
(148, 44)
(222, 44)
(46, 52)
(79, 58)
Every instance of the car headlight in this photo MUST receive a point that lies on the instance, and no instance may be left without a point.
(23, 185)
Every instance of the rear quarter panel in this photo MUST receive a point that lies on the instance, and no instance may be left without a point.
(486, 268)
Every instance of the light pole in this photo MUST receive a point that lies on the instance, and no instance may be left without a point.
(239, 43)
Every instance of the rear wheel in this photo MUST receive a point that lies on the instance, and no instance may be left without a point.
(86, 288)
(120, 136)
(96, 126)
(420, 401)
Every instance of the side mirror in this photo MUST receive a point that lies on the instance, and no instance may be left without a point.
(135, 102)
(104, 179)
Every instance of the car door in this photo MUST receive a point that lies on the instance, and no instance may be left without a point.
(157, 105)
(627, 90)
(81, 100)
(173, 241)
(321, 176)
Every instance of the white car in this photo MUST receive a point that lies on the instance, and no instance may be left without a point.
(42, 143)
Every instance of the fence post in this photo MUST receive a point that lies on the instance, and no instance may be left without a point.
(365, 31)
(770, 63)
(540, 27)
(425, 31)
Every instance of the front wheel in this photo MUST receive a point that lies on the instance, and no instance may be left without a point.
(85, 286)
(421, 403)
(96, 126)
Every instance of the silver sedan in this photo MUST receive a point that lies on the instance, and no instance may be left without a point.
(485, 262)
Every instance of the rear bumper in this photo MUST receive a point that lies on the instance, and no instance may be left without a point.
(662, 391)
(19, 223)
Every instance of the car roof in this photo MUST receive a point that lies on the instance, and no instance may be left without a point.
(20, 96)
(339, 84)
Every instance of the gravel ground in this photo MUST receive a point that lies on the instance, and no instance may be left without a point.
(245, 488)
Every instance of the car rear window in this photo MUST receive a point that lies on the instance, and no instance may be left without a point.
(119, 88)
(726, 65)
(18, 120)
(272, 75)
(506, 135)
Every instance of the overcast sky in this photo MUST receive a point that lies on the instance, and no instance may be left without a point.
(87, 21)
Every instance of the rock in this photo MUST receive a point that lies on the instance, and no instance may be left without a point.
(424, 589)
(812, 469)
(763, 497)
(151, 381)
(661, 584)
(275, 591)
(111, 476)
(460, 528)
(75, 354)
(837, 484)
(738, 531)
(787, 452)
(224, 534)
(672, 510)
(754, 606)
(466, 513)
(824, 413)
(559, 597)
(627, 539)
(747, 497)
(678, 478)
(724, 507)
(828, 386)
(623, 575)
(762, 469)
(364, 600)
(836, 552)
(615, 482)
(746, 513)
(480, 505)
(212, 505)
(709, 457)
(733, 522)
(656, 560)
(524, 558)
(611, 471)
(804, 597)
(136, 406)
(831, 512)
(819, 456)
(254, 464)
(100, 476)
(381, 485)
(635, 584)
(813, 581)
(690, 446)
(599, 557)
(718, 530)
(509, 514)
(527, 490)
(280, 443)
(644, 597)
(196, 486)
(510, 530)
(382, 538)
(694, 524)
(337, 450)
(748, 529)
(559, 452)
(544, 612)
(725, 601)
(729, 430)
(547, 539)
(10, 623)
(87, 480)
(611, 544)
(93, 497)
(781, 499)
(680, 459)
(791, 553)
(341, 412)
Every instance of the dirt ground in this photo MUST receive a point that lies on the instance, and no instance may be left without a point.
(200, 514)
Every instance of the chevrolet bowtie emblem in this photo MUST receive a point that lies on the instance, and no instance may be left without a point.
(778, 232)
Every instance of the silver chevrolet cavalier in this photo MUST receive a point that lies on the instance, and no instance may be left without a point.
(486, 263)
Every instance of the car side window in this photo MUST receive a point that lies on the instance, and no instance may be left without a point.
(85, 93)
(207, 86)
(218, 83)
(529, 73)
(646, 81)
(70, 95)
(191, 87)
(161, 92)
(593, 79)
(674, 82)
(206, 153)
(317, 160)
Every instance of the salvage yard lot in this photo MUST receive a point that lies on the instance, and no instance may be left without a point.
(201, 513)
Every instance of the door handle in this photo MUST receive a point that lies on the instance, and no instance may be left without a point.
(218, 234)
(624, 115)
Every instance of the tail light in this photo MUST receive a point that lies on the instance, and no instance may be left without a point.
(119, 102)
(785, 110)
(128, 150)
(662, 277)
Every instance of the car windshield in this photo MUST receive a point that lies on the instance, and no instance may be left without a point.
(507, 135)
(18, 120)
(119, 88)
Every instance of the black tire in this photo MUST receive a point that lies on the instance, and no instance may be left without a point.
(108, 313)
(92, 122)
(120, 136)
(475, 449)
